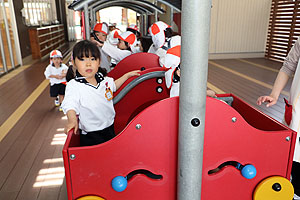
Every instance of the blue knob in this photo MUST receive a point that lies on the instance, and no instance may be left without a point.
(119, 183)
(248, 171)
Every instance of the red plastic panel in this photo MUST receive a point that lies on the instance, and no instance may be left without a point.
(139, 98)
(134, 62)
(268, 151)
(154, 148)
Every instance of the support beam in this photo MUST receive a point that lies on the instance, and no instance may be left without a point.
(87, 23)
(192, 101)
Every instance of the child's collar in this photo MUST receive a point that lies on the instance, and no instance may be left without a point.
(78, 77)
(54, 65)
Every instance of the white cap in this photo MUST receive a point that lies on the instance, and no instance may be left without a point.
(172, 57)
(134, 27)
(157, 33)
(113, 36)
(55, 54)
(101, 27)
(128, 37)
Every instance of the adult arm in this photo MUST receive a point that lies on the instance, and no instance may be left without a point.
(280, 82)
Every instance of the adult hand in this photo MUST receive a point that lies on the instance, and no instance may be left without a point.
(269, 99)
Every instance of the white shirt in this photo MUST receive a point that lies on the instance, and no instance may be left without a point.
(105, 60)
(51, 70)
(95, 111)
(115, 52)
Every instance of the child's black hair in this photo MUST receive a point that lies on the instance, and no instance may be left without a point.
(135, 32)
(169, 33)
(146, 42)
(86, 48)
(70, 73)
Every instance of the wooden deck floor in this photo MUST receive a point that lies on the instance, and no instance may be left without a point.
(31, 165)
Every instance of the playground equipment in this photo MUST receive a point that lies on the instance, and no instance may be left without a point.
(145, 153)
(247, 155)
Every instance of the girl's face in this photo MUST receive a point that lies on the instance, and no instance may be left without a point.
(87, 67)
(101, 36)
(56, 61)
(121, 45)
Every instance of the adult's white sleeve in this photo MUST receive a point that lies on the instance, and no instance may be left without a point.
(71, 99)
(115, 52)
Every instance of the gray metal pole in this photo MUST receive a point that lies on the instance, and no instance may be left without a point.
(171, 15)
(86, 22)
(195, 24)
(155, 12)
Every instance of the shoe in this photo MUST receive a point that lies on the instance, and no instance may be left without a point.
(296, 197)
(56, 102)
(60, 108)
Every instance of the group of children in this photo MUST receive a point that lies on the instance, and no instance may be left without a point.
(89, 92)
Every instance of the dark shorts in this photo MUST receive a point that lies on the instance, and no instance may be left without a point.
(296, 177)
(57, 89)
(97, 137)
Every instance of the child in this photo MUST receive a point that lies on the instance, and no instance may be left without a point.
(145, 43)
(113, 40)
(56, 73)
(161, 34)
(126, 41)
(134, 29)
(99, 35)
(90, 96)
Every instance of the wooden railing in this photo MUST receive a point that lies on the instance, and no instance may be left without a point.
(284, 28)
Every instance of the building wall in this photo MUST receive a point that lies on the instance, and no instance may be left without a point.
(239, 28)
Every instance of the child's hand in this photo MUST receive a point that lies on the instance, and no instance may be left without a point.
(211, 93)
(72, 121)
(70, 125)
(133, 73)
(126, 76)
(178, 72)
(96, 42)
(60, 77)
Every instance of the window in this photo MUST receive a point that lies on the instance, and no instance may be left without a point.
(39, 12)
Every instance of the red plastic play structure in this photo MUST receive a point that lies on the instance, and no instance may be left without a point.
(148, 143)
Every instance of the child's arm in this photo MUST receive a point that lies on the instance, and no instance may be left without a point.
(72, 121)
(55, 76)
(115, 52)
(126, 76)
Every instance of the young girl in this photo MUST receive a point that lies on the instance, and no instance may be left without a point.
(127, 40)
(56, 73)
(90, 96)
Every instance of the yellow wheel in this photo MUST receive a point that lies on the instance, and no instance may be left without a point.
(90, 198)
(274, 188)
